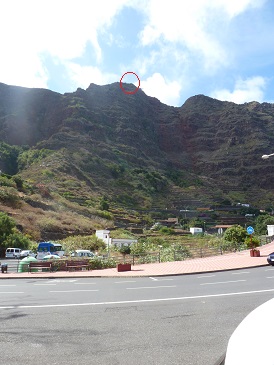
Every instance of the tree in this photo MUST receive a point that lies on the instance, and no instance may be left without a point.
(17, 239)
(125, 250)
(261, 223)
(103, 204)
(196, 222)
(9, 236)
(235, 235)
(7, 225)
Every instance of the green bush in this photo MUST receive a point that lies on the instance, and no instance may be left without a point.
(31, 156)
(9, 196)
(166, 230)
(104, 214)
(9, 155)
(17, 239)
(91, 243)
(235, 236)
(252, 243)
(125, 250)
(261, 223)
(177, 253)
(97, 263)
(7, 181)
(7, 225)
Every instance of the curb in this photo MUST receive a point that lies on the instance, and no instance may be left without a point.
(63, 276)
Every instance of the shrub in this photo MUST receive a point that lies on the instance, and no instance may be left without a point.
(49, 223)
(97, 263)
(7, 225)
(103, 204)
(31, 156)
(9, 196)
(91, 243)
(7, 181)
(17, 239)
(104, 214)
(18, 181)
(125, 250)
(252, 243)
(177, 253)
(166, 230)
(235, 235)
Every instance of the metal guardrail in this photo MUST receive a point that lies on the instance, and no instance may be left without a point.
(13, 266)
(176, 255)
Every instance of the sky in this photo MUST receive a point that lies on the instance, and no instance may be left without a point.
(178, 48)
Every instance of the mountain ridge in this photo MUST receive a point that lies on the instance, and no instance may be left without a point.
(135, 152)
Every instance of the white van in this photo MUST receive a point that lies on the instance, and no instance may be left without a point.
(82, 253)
(13, 253)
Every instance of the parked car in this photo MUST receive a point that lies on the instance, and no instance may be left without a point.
(27, 253)
(82, 253)
(13, 253)
(270, 259)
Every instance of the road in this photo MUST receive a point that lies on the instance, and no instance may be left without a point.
(166, 320)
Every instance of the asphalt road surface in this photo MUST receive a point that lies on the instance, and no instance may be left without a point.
(166, 320)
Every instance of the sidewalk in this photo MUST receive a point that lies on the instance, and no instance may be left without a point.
(230, 261)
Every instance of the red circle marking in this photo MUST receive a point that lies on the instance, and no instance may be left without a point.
(130, 92)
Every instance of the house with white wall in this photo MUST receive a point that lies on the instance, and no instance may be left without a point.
(118, 242)
(103, 235)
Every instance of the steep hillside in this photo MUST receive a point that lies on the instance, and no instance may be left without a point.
(99, 148)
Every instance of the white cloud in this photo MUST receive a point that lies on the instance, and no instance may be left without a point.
(251, 89)
(60, 29)
(167, 92)
(182, 40)
(83, 76)
(235, 7)
(194, 25)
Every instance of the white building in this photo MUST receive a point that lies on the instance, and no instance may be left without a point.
(119, 242)
(270, 230)
(196, 230)
(103, 235)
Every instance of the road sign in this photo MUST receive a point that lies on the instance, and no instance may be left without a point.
(250, 230)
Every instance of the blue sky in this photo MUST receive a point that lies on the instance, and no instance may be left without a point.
(178, 48)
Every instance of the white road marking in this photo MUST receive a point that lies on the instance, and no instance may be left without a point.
(205, 276)
(270, 277)
(126, 281)
(269, 269)
(241, 272)
(160, 279)
(63, 281)
(84, 283)
(154, 287)
(11, 292)
(222, 282)
(165, 279)
(8, 285)
(136, 301)
(44, 284)
(71, 291)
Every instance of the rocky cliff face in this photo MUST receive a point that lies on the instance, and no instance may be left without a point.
(120, 143)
